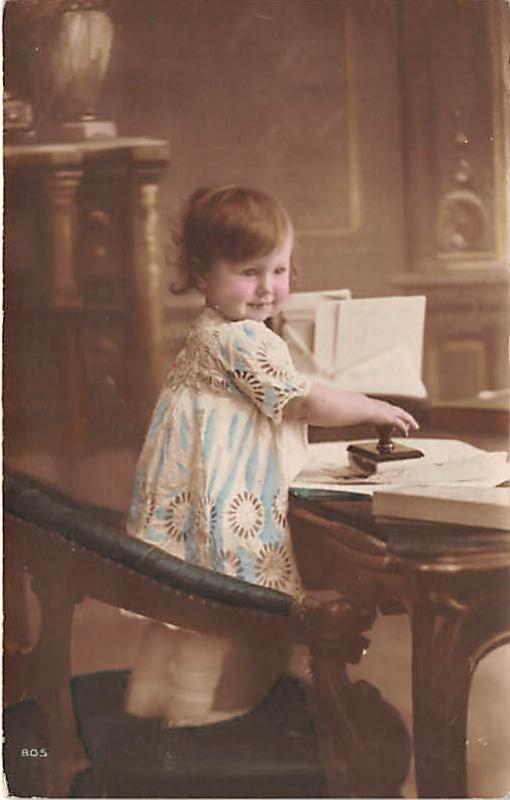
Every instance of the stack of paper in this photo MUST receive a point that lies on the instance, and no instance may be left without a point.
(445, 462)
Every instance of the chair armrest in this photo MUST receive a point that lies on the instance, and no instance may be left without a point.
(101, 531)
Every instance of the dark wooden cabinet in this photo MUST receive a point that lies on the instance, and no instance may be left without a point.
(82, 335)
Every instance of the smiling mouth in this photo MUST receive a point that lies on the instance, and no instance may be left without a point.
(260, 305)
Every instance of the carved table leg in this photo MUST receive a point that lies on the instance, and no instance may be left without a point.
(449, 638)
(441, 680)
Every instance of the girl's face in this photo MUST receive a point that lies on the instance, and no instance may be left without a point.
(254, 289)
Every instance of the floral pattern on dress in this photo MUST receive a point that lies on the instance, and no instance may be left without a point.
(246, 515)
(147, 501)
(176, 514)
(274, 361)
(273, 566)
(231, 563)
(250, 385)
(279, 509)
(205, 523)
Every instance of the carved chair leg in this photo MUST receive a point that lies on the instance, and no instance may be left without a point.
(335, 641)
(364, 743)
(49, 681)
(336, 735)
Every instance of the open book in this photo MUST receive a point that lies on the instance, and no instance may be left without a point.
(479, 506)
(372, 345)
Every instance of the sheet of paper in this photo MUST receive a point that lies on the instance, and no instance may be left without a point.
(445, 461)
(391, 372)
(370, 326)
(326, 329)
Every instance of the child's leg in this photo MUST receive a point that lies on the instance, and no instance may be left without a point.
(194, 670)
(189, 678)
(146, 695)
(176, 675)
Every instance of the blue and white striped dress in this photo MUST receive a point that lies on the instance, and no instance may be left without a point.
(213, 476)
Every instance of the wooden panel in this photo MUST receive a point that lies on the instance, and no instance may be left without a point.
(467, 315)
(454, 131)
(463, 362)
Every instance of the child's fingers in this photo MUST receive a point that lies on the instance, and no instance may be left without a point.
(402, 425)
(410, 420)
(405, 421)
(396, 416)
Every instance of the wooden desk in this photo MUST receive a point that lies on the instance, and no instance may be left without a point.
(455, 585)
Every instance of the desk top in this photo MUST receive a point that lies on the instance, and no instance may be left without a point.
(431, 545)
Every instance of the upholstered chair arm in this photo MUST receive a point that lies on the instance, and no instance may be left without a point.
(114, 567)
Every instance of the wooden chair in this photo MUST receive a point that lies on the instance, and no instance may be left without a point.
(70, 736)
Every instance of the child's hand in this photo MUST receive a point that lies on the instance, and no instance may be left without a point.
(387, 414)
(327, 406)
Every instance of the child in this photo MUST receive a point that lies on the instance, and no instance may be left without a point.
(227, 436)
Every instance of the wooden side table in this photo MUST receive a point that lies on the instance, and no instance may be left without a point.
(83, 282)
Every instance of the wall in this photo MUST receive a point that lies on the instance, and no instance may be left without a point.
(300, 98)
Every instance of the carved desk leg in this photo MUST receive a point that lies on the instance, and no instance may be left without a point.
(449, 638)
(335, 641)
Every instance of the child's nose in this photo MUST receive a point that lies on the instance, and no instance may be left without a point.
(265, 284)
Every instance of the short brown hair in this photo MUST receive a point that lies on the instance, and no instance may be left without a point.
(230, 223)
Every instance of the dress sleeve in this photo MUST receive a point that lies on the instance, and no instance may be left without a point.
(257, 362)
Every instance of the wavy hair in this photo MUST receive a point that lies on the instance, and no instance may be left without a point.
(230, 223)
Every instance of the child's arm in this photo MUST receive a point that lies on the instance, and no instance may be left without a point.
(326, 407)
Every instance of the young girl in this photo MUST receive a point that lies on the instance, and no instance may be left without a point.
(227, 436)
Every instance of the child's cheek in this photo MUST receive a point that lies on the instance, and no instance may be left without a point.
(243, 288)
(281, 286)
(235, 288)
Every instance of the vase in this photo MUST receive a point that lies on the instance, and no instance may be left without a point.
(79, 62)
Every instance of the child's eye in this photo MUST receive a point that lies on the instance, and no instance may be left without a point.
(280, 270)
(249, 271)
